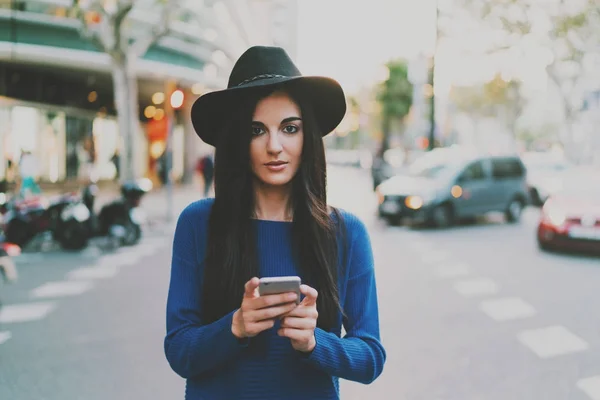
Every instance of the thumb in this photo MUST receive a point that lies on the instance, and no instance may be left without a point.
(250, 287)
(310, 294)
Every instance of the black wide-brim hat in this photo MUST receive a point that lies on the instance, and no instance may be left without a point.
(260, 67)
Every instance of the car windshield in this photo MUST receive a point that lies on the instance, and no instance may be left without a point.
(435, 164)
(431, 171)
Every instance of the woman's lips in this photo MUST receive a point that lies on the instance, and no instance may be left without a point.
(276, 166)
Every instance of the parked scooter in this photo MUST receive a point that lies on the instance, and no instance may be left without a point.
(62, 218)
(122, 218)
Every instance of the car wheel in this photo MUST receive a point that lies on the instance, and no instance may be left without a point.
(442, 216)
(514, 210)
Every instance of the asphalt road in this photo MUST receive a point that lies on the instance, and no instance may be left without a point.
(473, 312)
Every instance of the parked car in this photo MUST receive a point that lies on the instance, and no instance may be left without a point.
(570, 218)
(453, 185)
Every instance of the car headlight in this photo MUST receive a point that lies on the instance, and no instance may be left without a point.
(554, 214)
(414, 202)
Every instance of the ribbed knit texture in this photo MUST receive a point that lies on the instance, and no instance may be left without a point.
(218, 366)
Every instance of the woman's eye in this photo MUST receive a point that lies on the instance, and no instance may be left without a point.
(257, 131)
(290, 129)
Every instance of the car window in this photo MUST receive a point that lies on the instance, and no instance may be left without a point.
(503, 168)
(473, 172)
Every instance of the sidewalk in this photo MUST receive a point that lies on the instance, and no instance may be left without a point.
(155, 203)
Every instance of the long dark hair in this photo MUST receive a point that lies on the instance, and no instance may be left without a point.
(231, 258)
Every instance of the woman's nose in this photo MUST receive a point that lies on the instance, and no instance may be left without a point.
(274, 145)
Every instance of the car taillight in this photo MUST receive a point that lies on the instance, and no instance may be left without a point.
(11, 249)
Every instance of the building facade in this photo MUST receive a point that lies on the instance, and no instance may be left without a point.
(56, 90)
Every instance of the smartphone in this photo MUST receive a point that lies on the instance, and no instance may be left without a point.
(280, 284)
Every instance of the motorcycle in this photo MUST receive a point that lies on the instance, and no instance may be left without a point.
(121, 219)
(62, 217)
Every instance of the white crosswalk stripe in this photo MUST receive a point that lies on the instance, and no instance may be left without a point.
(97, 272)
(507, 309)
(552, 341)
(61, 289)
(476, 287)
(4, 336)
(452, 270)
(590, 386)
(25, 312)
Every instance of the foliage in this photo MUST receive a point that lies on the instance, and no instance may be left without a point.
(495, 98)
(395, 96)
(572, 39)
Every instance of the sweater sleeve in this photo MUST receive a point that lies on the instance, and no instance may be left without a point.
(359, 356)
(191, 347)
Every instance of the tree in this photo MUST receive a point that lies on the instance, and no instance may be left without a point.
(106, 24)
(395, 95)
(572, 41)
(497, 98)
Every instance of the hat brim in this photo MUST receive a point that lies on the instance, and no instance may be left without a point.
(210, 111)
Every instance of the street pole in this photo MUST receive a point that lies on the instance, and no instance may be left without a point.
(431, 144)
(170, 87)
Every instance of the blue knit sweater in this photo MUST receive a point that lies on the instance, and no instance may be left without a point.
(219, 367)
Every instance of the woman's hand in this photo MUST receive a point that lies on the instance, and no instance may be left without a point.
(300, 323)
(258, 313)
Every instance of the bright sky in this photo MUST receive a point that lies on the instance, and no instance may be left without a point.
(349, 40)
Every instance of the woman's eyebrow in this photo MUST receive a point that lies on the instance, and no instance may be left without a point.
(291, 119)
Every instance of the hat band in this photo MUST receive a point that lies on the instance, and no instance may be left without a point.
(259, 77)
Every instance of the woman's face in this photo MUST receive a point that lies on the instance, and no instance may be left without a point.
(277, 139)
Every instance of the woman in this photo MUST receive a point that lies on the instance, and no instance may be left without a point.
(269, 217)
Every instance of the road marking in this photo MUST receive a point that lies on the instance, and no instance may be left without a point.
(435, 256)
(120, 259)
(103, 272)
(5, 336)
(476, 287)
(60, 289)
(507, 309)
(452, 270)
(552, 341)
(25, 312)
(590, 386)
(147, 249)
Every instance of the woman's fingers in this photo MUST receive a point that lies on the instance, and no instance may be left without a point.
(255, 328)
(272, 300)
(303, 312)
(298, 323)
(269, 313)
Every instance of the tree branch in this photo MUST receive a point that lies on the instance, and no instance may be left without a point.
(141, 45)
(85, 30)
(117, 22)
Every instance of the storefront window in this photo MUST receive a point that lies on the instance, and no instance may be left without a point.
(106, 143)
